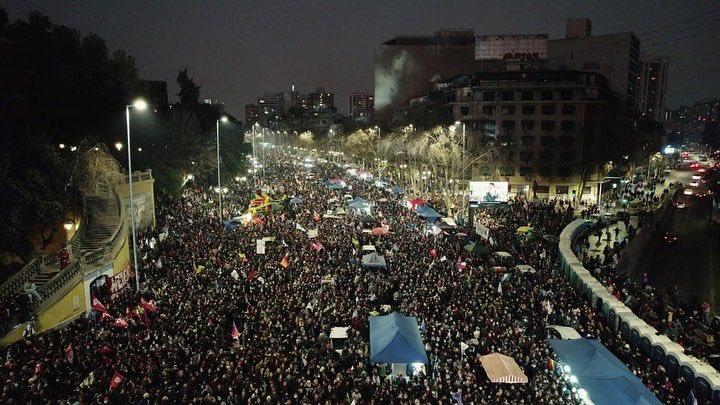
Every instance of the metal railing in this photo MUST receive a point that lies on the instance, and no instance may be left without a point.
(32, 268)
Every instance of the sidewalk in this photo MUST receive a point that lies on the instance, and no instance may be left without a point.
(608, 237)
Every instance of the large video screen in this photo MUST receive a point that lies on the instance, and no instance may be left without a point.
(489, 191)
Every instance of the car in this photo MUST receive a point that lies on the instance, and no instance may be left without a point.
(688, 191)
(679, 204)
(696, 177)
(671, 237)
(694, 183)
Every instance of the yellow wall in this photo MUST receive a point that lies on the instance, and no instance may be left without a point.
(139, 187)
(64, 309)
(70, 305)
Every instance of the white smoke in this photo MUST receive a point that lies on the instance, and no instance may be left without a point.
(387, 81)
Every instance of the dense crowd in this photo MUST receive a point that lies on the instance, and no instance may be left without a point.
(206, 281)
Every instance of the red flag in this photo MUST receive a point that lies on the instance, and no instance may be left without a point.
(235, 333)
(433, 252)
(148, 305)
(120, 323)
(117, 378)
(69, 355)
(98, 306)
(316, 246)
(284, 262)
(316, 217)
(105, 316)
(462, 265)
(252, 274)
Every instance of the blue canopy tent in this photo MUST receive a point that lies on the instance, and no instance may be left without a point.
(229, 225)
(374, 261)
(427, 212)
(296, 200)
(605, 378)
(397, 190)
(360, 205)
(395, 338)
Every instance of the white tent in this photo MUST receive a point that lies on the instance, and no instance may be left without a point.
(503, 369)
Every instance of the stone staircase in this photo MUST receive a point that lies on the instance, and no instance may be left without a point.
(100, 224)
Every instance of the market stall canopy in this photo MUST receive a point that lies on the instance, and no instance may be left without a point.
(379, 231)
(397, 190)
(504, 255)
(416, 202)
(525, 268)
(359, 203)
(368, 248)
(565, 332)
(476, 249)
(374, 261)
(503, 369)
(296, 200)
(339, 332)
(427, 211)
(523, 230)
(395, 338)
(605, 378)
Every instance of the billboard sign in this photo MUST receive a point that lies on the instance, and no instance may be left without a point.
(489, 191)
(530, 47)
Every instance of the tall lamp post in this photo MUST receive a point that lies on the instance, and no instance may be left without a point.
(603, 180)
(139, 105)
(217, 141)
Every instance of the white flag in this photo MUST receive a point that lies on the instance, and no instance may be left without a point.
(235, 275)
(260, 249)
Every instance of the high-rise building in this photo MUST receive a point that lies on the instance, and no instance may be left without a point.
(615, 56)
(252, 114)
(406, 67)
(320, 99)
(270, 108)
(652, 87)
(361, 106)
(539, 117)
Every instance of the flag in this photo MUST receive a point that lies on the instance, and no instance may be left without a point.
(234, 332)
(242, 257)
(252, 274)
(463, 347)
(120, 323)
(284, 262)
(148, 305)
(462, 265)
(442, 259)
(433, 252)
(316, 217)
(500, 287)
(69, 355)
(105, 315)
(299, 227)
(457, 396)
(235, 275)
(98, 306)
(117, 378)
(316, 246)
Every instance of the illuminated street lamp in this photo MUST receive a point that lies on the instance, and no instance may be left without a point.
(61, 146)
(217, 139)
(139, 105)
(118, 146)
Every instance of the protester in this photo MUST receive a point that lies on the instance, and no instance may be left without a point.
(217, 322)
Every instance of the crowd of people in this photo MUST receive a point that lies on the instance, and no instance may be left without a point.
(218, 321)
(689, 323)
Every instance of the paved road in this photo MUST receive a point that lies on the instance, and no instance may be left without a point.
(691, 262)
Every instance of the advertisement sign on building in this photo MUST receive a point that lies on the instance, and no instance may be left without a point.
(489, 191)
(530, 47)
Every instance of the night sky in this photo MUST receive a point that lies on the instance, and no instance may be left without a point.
(236, 50)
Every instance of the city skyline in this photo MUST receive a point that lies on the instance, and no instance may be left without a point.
(245, 50)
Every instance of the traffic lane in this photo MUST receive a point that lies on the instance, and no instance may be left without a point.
(686, 263)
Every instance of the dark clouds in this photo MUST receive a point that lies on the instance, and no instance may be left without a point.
(238, 49)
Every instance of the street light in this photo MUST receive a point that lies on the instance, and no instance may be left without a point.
(61, 146)
(217, 138)
(139, 105)
(604, 179)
